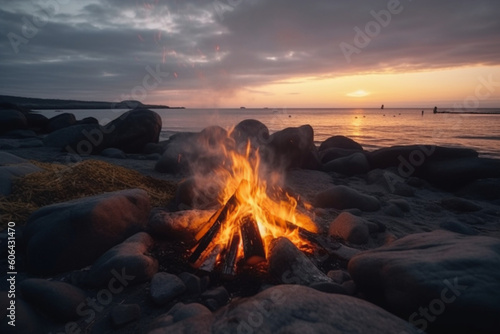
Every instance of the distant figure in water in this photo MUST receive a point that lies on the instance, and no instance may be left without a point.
(382, 107)
(422, 113)
(289, 116)
(435, 109)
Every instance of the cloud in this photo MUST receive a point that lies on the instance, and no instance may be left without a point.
(101, 49)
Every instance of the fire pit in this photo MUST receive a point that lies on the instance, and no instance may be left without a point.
(252, 213)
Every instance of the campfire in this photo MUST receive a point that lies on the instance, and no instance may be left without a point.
(254, 210)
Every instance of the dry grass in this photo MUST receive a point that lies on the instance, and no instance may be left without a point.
(60, 183)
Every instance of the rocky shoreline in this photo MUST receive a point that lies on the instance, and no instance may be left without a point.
(410, 235)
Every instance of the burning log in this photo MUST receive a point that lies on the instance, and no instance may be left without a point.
(253, 246)
(220, 217)
(229, 268)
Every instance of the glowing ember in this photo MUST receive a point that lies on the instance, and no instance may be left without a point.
(249, 218)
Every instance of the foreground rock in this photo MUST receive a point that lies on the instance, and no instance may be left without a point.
(58, 300)
(342, 197)
(341, 142)
(11, 119)
(74, 234)
(293, 309)
(126, 263)
(440, 280)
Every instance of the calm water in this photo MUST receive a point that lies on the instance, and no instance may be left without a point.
(372, 128)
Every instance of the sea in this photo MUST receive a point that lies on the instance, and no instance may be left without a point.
(372, 128)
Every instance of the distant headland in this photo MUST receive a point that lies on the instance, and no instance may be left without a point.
(48, 104)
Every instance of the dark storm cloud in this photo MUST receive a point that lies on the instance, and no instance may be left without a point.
(103, 49)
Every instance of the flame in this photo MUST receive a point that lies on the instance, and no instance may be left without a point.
(241, 176)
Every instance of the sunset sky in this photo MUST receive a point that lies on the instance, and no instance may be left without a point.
(254, 53)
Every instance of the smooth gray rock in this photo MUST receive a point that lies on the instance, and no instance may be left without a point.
(329, 287)
(459, 205)
(79, 139)
(73, 234)
(250, 131)
(12, 120)
(292, 148)
(455, 277)
(7, 158)
(340, 142)
(130, 260)
(60, 121)
(351, 165)
(124, 314)
(59, 300)
(343, 197)
(192, 282)
(113, 153)
(219, 294)
(457, 227)
(351, 228)
(180, 312)
(165, 287)
(9, 173)
(294, 309)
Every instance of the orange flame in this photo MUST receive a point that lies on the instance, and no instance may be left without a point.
(273, 217)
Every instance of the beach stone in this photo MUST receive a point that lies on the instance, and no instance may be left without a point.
(198, 196)
(129, 260)
(181, 312)
(165, 287)
(289, 265)
(350, 228)
(328, 287)
(192, 282)
(124, 314)
(459, 205)
(457, 227)
(393, 210)
(179, 150)
(333, 153)
(343, 197)
(486, 189)
(35, 121)
(350, 165)
(60, 121)
(455, 277)
(88, 120)
(178, 225)
(454, 174)
(250, 130)
(79, 139)
(339, 276)
(20, 134)
(219, 294)
(59, 300)
(27, 320)
(341, 142)
(292, 148)
(30, 142)
(9, 173)
(403, 204)
(132, 131)
(12, 120)
(7, 158)
(113, 153)
(295, 309)
(409, 158)
(57, 234)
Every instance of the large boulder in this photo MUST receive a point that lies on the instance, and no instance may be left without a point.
(126, 263)
(81, 138)
(9, 173)
(250, 131)
(351, 165)
(72, 235)
(439, 281)
(60, 121)
(343, 197)
(12, 120)
(292, 148)
(293, 309)
(36, 121)
(340, 142)
(409, 158)
(179, 150)
(453, 174)
(59, 300)
(132, 131)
